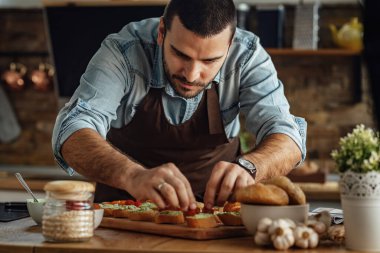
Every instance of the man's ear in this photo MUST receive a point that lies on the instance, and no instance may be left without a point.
(161, 32)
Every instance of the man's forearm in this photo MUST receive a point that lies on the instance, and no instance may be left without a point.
(93, 157)
(276, 155)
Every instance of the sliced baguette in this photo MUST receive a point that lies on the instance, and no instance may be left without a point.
(142, 214)
(170, 217)
(123, 211)
(232, 207)
(230, 218)
(202, 220)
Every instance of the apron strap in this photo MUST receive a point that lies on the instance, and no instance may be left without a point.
(214, 118)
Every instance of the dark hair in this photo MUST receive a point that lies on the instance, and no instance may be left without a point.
(203, 17)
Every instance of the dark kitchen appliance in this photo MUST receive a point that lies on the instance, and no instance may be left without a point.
(10, 211)
(270, 25)
(76, 32)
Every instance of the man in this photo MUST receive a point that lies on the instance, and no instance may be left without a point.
(166, 94)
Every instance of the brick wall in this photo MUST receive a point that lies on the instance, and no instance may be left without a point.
(323, 89)
(22, 32)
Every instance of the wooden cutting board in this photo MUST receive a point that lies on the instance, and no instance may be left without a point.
(181, 231)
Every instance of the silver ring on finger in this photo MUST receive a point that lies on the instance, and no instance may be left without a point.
(159, 187)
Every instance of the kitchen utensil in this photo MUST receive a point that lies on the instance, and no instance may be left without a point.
(14, 76)
(305, 33)
(8, 212)
(9, 127)
(42, 78)
(26, 187)
(349, 36)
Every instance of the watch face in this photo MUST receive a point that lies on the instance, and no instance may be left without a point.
(246, 164)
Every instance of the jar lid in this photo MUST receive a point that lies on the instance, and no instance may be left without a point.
(69, 186)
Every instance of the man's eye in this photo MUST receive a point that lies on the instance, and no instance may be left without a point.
(210, 61)
(181, 55)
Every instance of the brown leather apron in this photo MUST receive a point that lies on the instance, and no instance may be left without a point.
(194, 146)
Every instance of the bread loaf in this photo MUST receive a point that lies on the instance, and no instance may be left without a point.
(295, 193)
(262, 194)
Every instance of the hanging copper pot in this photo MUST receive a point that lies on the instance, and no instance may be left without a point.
(14, 76)
(42, 78)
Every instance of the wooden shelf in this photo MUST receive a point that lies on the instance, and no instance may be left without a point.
(310, 52)
(94, 3)
(23, 54)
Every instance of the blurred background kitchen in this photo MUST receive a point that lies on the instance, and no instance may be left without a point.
(316, 47)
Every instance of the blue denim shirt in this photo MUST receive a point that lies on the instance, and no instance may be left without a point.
(129, 63)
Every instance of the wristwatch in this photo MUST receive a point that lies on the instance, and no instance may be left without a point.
(247, 165)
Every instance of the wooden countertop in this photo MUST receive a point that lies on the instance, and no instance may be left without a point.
(24, 236)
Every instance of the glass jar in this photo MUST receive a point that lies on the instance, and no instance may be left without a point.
(68, 215)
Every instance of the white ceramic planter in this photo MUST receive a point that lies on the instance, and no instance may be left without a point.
(360, 196)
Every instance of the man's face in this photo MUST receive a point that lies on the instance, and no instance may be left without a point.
(191, 62)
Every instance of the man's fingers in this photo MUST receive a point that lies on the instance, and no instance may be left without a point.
(191, 202)
(180, 190)
(226, 187)
(169, 194)
(241, 182)
(155, 196)
(213, 186)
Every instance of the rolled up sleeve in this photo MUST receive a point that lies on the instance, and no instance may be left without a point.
(264, 104)
(95, 101)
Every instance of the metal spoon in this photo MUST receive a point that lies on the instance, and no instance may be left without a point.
(26, 187)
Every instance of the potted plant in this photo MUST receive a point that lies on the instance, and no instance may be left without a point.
(358, 161)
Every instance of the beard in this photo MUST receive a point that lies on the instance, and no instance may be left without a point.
(176, 80)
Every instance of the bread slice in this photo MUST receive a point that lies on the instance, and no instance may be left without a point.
(230, 218)
(149, 204)
(202, 220)
(142, 214)
(169, 217)
(108, 209)
(232, 207)
(123, 211)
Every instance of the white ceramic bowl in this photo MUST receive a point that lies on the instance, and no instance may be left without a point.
(36, 209)
(98, 213)
(252, 214)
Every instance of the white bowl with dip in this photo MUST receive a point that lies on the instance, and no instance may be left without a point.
(98, 216)
(36, 209)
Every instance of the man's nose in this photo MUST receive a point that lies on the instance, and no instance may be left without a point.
(192, 71)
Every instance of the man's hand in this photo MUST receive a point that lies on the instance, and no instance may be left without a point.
(225, 179)
(165, 185)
